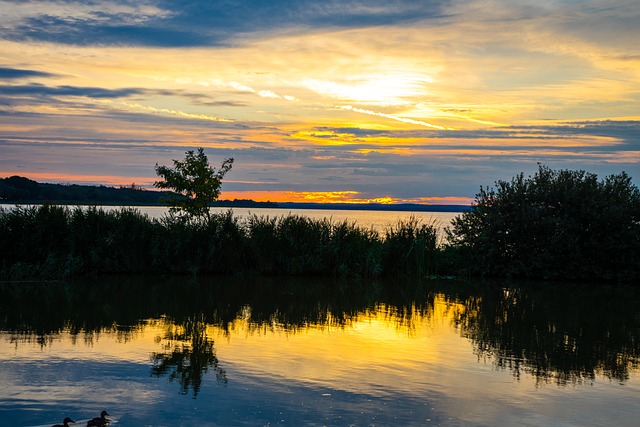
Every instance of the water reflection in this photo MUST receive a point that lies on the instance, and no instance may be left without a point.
(561, 333)
(187, 355)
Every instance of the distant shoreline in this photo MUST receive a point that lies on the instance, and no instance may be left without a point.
(403, 207)
(18, 190)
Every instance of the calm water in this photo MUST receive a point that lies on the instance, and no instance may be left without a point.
(227, 352)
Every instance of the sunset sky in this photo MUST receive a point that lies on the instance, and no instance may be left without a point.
(350, 100)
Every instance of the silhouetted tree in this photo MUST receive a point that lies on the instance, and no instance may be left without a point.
(196, 183)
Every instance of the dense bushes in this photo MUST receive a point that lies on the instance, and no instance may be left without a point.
(52, 242)
(557, 224)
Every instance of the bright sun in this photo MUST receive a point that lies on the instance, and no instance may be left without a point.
(378, 89)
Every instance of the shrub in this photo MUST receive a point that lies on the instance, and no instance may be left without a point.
(557, 224)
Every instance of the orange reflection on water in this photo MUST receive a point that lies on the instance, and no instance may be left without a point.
(379, 351)
(130, 344)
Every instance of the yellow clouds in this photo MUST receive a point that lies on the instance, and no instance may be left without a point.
(347, 196)
(134, 106)
(393, 117)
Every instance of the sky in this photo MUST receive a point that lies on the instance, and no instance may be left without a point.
(388, 101)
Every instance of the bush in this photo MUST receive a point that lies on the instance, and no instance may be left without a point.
(557, 224)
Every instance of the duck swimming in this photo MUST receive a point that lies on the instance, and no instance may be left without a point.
(65, 423)
(100, 421)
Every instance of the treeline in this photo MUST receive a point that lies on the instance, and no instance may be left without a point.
(49, 241)
(17, 189)
(21, 190)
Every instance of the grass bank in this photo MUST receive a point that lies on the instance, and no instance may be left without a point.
(51, 242)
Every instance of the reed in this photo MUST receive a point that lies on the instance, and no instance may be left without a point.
(56, 242)
(410, 248)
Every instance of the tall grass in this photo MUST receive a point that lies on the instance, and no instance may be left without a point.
(53, 242)
(410, 248)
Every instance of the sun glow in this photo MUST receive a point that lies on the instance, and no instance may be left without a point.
(347, 196)
(344, 197)
(379, 89)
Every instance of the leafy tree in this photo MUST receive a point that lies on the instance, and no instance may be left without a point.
(196, 183)
(557, 224)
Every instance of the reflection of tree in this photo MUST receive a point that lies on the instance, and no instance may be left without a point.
(559, 333)
(188, 355)
(566, 334)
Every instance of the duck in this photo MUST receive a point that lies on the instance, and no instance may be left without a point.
(65, 423)
(100, 421)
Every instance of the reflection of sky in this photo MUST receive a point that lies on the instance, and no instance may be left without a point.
(376, 369)
(348, 101)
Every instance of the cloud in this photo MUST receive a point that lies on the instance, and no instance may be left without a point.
(90, 32)
(181, 23)
(439, 97)
(135, 106)
(602, 134)
(392, 117)
(36, 89)
(16, 73)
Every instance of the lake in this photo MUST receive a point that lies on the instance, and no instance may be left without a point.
(175, 351)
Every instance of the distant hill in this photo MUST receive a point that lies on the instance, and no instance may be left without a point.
(17, 189)
(20, 190)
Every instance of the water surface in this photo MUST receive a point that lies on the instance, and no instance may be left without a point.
(224, 352)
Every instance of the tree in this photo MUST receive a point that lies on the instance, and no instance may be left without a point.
(196, 183)
(557, 224)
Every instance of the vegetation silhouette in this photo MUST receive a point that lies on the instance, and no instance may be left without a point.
(195, 184)
(556, 225)
(17, 189)
(565, 335)
(54, 242)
